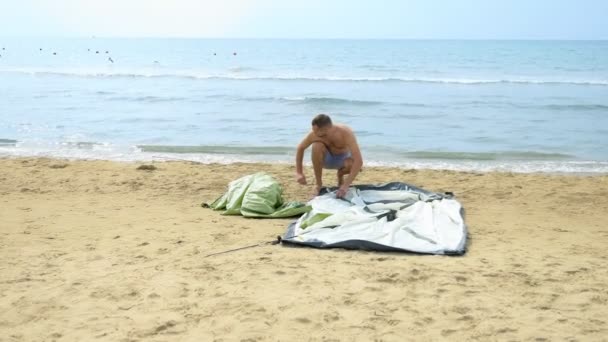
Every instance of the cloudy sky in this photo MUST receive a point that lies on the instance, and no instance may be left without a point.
(410, 19)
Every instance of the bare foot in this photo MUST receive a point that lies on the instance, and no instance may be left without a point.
(315, 191)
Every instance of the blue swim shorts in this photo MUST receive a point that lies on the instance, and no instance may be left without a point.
(335, 161)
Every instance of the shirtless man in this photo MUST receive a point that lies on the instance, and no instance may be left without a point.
(333, 147)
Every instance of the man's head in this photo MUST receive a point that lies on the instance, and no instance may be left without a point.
(321, 124)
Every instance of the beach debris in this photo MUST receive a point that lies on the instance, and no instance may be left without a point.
(146, 167)
(58, 166)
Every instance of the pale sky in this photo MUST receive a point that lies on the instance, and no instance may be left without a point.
(407, 19)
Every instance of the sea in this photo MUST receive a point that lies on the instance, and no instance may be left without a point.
(469, 105)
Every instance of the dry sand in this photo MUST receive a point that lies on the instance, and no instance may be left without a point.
(95, 250)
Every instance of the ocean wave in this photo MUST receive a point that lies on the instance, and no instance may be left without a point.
(550, 106)
(330, 101)
(321, 100)
(379, 150)
(87, 145)
(576, 107)
(228, 77)
(8, 142)
(374, 67)
(218, 149)
(311, 100)
(223, 155)
(484, 156)
(143, 119)
(549, 167)
(148, 99)
(241, 69)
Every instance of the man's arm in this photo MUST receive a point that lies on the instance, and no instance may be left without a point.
(356, 156)
(302, 146)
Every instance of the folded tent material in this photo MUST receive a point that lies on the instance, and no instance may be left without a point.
(389, 217)
(256, 195)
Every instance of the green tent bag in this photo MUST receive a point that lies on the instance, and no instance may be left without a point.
(256, 195)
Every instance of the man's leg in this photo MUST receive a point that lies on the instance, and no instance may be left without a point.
(344, 170)
(318, 156)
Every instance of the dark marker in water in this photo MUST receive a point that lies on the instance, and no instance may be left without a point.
(106, 51)
(40, 49)
(54, 53)
(234, 53)
(110, 59)
(96, 51)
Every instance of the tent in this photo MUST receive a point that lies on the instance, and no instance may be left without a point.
(257, 195)
(389, 217)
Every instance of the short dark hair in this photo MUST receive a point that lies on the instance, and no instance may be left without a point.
(321, 120)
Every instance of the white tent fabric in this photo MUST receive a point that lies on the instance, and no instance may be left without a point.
(390, 217)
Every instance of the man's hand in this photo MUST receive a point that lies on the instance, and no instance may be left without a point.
(342, 191)
(300, 178)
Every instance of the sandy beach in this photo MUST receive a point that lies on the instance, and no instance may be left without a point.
(99, 250)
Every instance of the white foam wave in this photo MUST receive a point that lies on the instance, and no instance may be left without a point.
(134, 154)
(152, 73)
